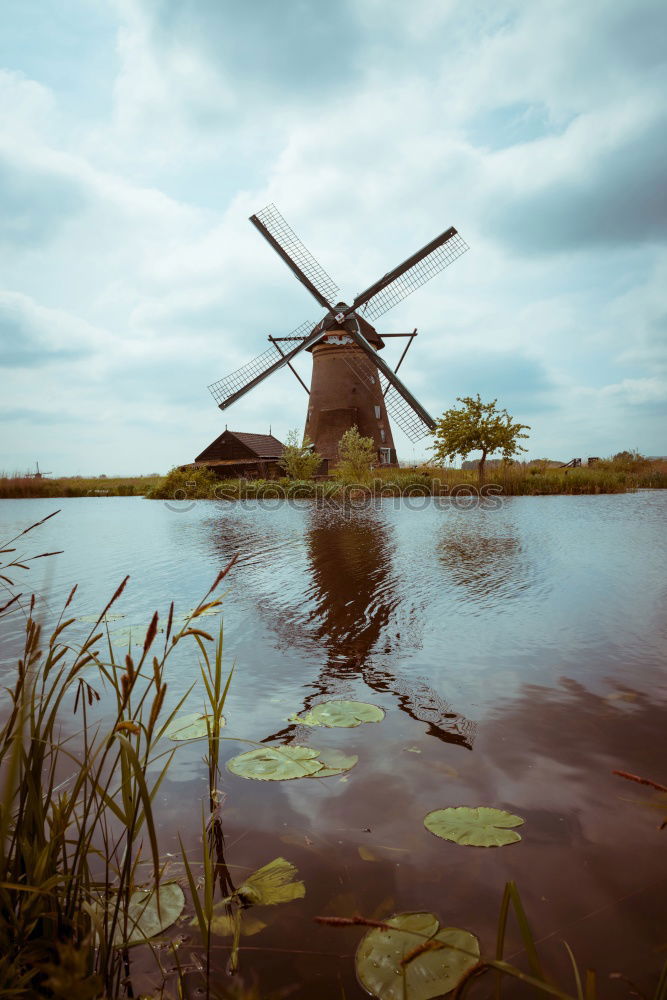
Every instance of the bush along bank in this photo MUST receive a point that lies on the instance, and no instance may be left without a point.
(186, 484)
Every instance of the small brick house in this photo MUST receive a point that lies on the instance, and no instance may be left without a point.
(235, 454)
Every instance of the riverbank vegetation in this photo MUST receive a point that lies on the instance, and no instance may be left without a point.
(508, 479)
(477, 426)
(19, 486)
(91, 905)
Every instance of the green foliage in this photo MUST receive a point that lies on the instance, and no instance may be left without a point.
(339, 714)
(148, 913)
(413, 958)
(75, 855)
(477, 426)
(335, 762)
(356, 456)
(280, 763)
(189, 483)
(299, 459)
(627, 461)
(193, 726)
(273, 883)
(476, 827)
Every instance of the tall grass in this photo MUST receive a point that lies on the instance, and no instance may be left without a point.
(76, 812)
(21, 487)
(515, 479)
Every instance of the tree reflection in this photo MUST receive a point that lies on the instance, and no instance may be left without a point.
(489, 566)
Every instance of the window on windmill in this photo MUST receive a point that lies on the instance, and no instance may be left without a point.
(382, 435)
(377, 412)
(385, 456)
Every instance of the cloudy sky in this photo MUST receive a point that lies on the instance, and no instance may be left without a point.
(137, 136)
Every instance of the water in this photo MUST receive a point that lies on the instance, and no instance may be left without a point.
(517, 653)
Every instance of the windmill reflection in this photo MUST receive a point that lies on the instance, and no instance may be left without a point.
(354, 593)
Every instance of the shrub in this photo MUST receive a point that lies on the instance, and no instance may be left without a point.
(299, 459)
(357, 455)
(188, 483)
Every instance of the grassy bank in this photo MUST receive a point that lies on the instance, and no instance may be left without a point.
(16, 487)
(512, 480)
(201, 484)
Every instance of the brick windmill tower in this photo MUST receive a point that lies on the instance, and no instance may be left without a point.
(350, 384)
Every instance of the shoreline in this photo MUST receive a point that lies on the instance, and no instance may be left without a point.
(189, 484)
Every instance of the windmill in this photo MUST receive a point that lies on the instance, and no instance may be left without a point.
(350, 383)
(38, 474)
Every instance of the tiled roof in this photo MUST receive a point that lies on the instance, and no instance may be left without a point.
(263, 445)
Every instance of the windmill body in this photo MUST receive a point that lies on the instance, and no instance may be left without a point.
(345, 392)
(351, 385)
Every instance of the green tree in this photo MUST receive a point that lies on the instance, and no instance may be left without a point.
(356, 456)
(476, 426)
(299, 458)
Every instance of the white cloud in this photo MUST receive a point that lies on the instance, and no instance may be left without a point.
(134, 235)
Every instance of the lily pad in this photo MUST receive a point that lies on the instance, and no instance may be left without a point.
(271, 884)
(143, 919)
(276, 763)
(480, 827)
(206, 613)
(92, 619)
(132, 635)
(190, 727)
(433, 972)
(334, 762)
(339, 714)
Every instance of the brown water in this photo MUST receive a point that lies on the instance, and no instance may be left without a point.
(518, 655)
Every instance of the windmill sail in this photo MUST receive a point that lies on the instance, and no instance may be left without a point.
(411, 274)
(298, 258)
(398, 408)
(228, 389)
(230, 384)
(395, 388)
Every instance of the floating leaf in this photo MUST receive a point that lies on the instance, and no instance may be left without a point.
(334, 762)
(132, 635)
(622, 696)
(223, 924)
(480, 827)
(366, 855)
(191, 727)
(209, 611)
(449, 953)
(276, 763)
(340, 714)
(143, 919)
(93, 619)
(273, 883)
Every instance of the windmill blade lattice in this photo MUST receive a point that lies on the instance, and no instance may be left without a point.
(414, 277)
(236, 380)
(398, 408)
(284, 235)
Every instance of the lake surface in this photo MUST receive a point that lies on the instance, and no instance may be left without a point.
(518, 653)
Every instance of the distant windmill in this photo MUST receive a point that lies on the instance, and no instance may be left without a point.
(350, 384)
(37, 474)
